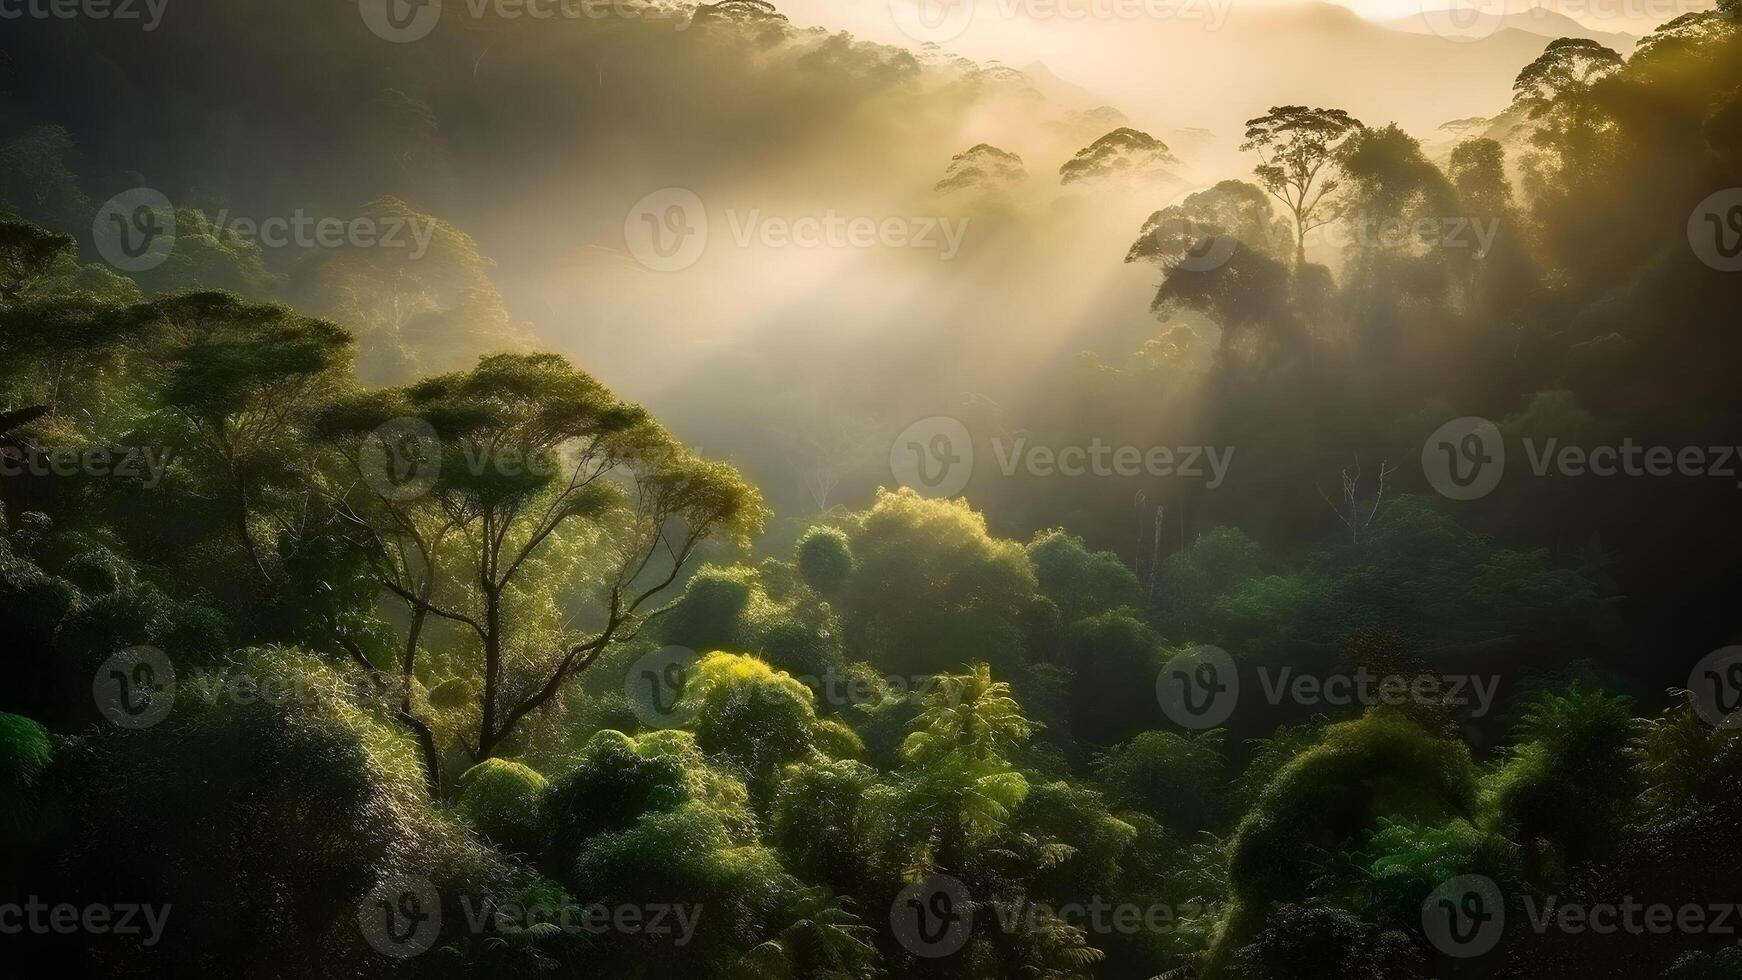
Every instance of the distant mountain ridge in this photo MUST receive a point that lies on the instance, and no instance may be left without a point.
(1540, 21)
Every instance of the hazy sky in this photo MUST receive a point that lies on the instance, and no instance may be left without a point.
(872, 18)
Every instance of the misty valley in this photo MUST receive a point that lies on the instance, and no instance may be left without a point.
(851, 489)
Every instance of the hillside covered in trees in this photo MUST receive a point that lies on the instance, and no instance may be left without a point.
(1357, 603)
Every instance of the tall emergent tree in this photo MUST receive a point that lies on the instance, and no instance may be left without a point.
(520, 478)
(1557, 90)
(1295, 144)
(240, 379)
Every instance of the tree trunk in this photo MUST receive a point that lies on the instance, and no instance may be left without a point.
(432, 763)
(241, 518)
(487, 734)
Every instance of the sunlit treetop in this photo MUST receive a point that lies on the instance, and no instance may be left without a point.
(1295, 146)
(983, 167)
(1567, 65)
(1233, 208)
(1124, 152)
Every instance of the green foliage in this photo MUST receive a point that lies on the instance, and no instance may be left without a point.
(25, 751)
(533, 569)
(1402, 861)
(38, 185)
(755, 718)
(1177, 778)
(1113, 659)
(934, 591)
(731, 609)
(210, 256)
(1098, 841)
(427, 305)
(27, 255)
(970, 715)
(1079, 582)
(1300, 942)
(821, 938)
(1418, 572)
(882, 722)
(650, 820)
(263, 869)
(1567, 784)
(73, 601)
(1686, 763)
(616, 779)
(1194, 578)
(825, 558)
(1331, 796)
(956, 790)
(505, 801)
(57, 348)
(455, 692)
(814, 819)
(688, 856)
(532, 473)
(716, 610)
